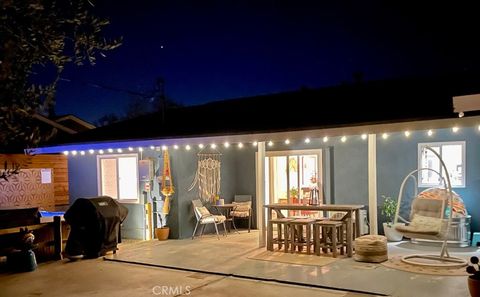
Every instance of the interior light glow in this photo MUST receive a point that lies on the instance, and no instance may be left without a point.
(364, 136)
(307, 140)
(343, 139)
(325, 139)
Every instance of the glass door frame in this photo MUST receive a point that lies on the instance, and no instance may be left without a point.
(288, 153)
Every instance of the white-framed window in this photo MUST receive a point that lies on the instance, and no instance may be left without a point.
(118, 176)
(453, 155)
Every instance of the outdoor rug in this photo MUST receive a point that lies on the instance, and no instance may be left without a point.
(396, 263)
(299, 259)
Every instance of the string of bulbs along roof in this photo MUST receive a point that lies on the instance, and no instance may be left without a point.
(214, 147)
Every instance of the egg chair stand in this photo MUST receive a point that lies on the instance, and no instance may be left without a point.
(428, 221)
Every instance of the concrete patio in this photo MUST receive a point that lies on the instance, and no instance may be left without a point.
(229, 256)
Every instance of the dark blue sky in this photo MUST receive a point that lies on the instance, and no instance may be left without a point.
(211, 50)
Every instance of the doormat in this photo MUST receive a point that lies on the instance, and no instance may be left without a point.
(298, 259)
(396, 263)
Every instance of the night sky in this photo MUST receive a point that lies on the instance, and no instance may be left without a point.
(213, 50)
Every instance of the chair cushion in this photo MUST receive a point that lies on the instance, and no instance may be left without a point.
(203, 211)
(240, 214)
(213, 219)
(242, 206)
(422, 225)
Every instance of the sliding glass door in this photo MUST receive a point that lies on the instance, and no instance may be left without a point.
(292, 175)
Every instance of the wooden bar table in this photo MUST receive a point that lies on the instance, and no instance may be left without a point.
(349, 209)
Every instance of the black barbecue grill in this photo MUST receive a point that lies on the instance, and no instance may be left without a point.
(95, 226)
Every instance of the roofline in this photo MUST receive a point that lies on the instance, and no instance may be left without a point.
(78, 120)
(268, 136)
(53, 123)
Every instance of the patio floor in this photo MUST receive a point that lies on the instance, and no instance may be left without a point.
(229, 257)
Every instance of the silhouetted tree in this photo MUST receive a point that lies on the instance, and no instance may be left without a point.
(38, 38)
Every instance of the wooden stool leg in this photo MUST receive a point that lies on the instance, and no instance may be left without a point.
(316, 237)
(308, 239)
(279, 236)
(342, 248)
(334, 241)
(324, 239)
(292, 238)
(287, 240)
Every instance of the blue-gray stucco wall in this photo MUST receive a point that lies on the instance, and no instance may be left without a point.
(398, 155)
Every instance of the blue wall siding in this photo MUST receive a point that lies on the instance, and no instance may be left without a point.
(398, 155)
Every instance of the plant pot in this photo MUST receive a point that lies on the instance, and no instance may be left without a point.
(162, 233)
(391, 233)
(474, 286)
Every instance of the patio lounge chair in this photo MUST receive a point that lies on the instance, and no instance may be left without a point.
(242, 209)
(204, 217)
(428, 221)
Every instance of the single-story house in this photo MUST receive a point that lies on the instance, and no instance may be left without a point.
(357, 141)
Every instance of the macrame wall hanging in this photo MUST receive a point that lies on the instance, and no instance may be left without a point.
(207, 177)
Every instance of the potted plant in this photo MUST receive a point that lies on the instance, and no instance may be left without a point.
(389, 208)
(163, 231)
(474, 278)
(294, 194)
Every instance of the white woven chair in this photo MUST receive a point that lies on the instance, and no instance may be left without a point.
(204, 217)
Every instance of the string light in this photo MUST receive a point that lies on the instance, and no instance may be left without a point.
(100, 152)
(455, 129)
(287, 141)
(74, 153)
(364, 136)
(119, 150)
(240, 145)
(255, 143)
(226, 144)
(213, 146)
(407, 133)
(140, 149)
(187, 147)
(82, 153)
(152, 147)
(175, 146)
(307, 140)
(478, 128)
(384, 135)
(164, 147)
(65, 153)
(110, 150)
(343, 139)
(430, 133)
(130, 148)
(325, 139)
(201, 145)
(91, 152)
(270, 143)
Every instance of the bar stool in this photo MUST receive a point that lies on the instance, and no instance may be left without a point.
(331, 237)
(282, 225)
(296, 234)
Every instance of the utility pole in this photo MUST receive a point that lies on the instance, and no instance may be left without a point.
(160, 93)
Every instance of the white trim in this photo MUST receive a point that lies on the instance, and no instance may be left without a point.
(440, 144)
(53, 124)
(76, 119)
(372, 183)
(260, 193)
(99, 176)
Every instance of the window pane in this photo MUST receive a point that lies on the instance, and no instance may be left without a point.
(429, 160)
(452, 155)
(108, 171)
(127, 178)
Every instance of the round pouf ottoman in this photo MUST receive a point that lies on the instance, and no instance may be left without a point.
(371, 248)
